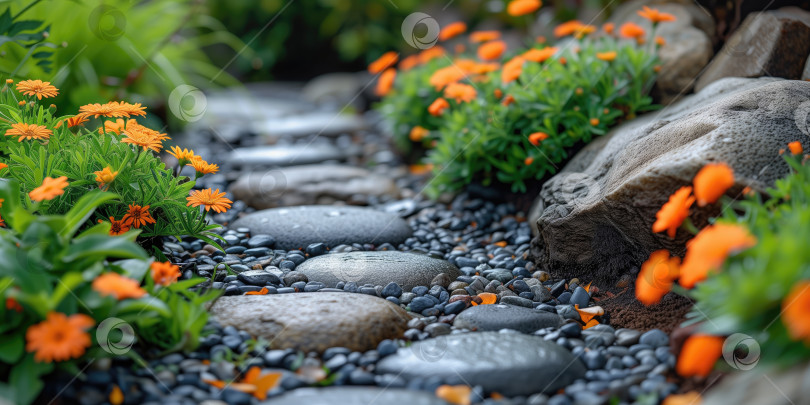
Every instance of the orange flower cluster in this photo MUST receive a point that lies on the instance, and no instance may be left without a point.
(460, 92)
(59, 337)
(114, 109)
(146, 138)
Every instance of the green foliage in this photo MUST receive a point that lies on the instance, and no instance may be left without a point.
(747, 294)
(28, 36)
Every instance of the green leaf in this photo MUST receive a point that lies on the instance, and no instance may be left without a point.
(83, 209)
(101, 246)
(11, 348)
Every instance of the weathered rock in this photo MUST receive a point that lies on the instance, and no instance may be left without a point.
(287, 155)
(355, 396)
(298, 227)
(508, 363)
(598, 211)
(762, 386)
(377, 268)
(769, 43)
(310, 184)
(495, 317)
(314, 321)
(312, 123)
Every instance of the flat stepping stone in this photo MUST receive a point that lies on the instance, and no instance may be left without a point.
(355, 396)
(495, 317)
(297, 227)
(377, 268)
(314, 321)
(288, 155)
(511, 364)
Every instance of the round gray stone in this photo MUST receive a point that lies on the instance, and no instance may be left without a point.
(377, 268)
(499, 316)
(297, 227)
(355, 396)
(512, 364)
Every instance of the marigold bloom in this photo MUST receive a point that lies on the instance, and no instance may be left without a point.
(498, 93)
(182, 155)
(795, 148)
(118, 286)
(491, 50)
(418, 133)
(537, 137)
(444, 76)
(165, 273)
(606, 56)
(118, 227)
(609, 28)
(484, 36)
(452, 30)
(698, 355)
(454, 394)
(594, 121)
(711, 182)
(567, 28)
(37, 88)
(583, 30)
(660, 41)
(72, 121)
(460, 92)
(146, 138)
(385, 61)
(116, 127)
(105, 176)
(656, 277)
(689, 398)
(539, 55)
(138, 216)
(385, 82)
(632, 31)
(201, 166)
(431, 53)
(2, 166)
(655, 16)
(794, 311)
(517, 8)
(59, 337)
(12, 304)
(128, 109)
(528, 161)
(111, 109)
(438, 106)
(409, 63)
(50, 189)
(509, 99)
(210, 199)
(671, 215)
(512, 69)
(25, 131)
(709, 248)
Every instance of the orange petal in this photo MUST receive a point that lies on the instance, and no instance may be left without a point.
(216, 383)
(454, 394)
(689, 398)
(698, 355)
(589, 313)
(266, 383)
(591, 324)
(263, 291)
(251, 375)
(487, 298)
(116, 396)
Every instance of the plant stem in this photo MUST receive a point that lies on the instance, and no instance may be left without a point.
(25, 9)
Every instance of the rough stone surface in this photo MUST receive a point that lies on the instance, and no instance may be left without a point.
(314, 321)
(377, 268)
(298, 227)
(762, 387)
(769, 43)
(310, 184)
(495, 317)
(597, 212)
(287, 155)
(511, 364)
(355, 396)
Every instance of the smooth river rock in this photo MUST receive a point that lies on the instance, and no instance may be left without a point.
(297, 227)
(495, 317)
(355, 396)
(377, 268)
(314, 321)
(511, 364)
(288, 155)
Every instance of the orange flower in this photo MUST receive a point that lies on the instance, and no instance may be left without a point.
(438, 106)
(444, 76)
(118, 227)
(202, 167)
(528, 161)
(483, 68)
(37, 88)
(609, 28)
(385, 61)
(105, 176)
(210, 199)
(263, 291)
(698, 355)
(460, 92)
(418, 133)
(656, 277)
(689, 398)
(111, 109)
(583, 30)
(118, 286)
(409, 63)
(128, 109)
(796, 148)
(182, 155)
(539, 55)
(12, 304)
(632, 30)
(567, 28)
(794, 311)
(509, 99)
(484, 36)
(455, 394)
(660, 41)
(420, 170)
(606, 56)
(491, 50)
(25, 131)
(709, 248)
(2, 166)
(453, 30)
(144, 137)
(72, 121)
(517, 8)
(487, 298)
(50, 189)
(671, 215)
(655, 16)
(711, 182)
(59, 337)
(138, 216)
(431, 53)
(165, 273)
(385, 82)
(498, 93)
(116, 126)
(594, 121)
(252, 383)
(587, 314)
(512, 69)
(537, 137)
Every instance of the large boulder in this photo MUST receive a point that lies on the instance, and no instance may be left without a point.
(597, 213)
